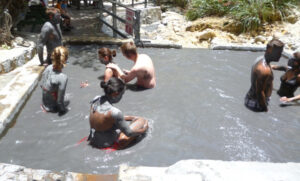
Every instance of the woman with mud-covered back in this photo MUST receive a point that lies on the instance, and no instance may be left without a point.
(290, 81)
(54, 82)
(106, 120)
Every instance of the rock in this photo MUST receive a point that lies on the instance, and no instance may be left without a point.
(232, 27)
(198, 27)
(206, 36)
(260, 39)
(292, 19)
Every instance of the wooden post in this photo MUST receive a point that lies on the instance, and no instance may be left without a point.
(114, 9)
(137, 22)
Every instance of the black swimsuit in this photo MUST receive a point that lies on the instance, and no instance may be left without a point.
(288, 87)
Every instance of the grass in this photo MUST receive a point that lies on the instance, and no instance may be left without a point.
(251, 14)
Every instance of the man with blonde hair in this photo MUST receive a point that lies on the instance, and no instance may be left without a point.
(142, 69)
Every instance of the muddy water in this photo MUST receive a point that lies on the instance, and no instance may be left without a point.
(195, 112)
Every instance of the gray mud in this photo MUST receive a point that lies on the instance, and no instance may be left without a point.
(195, 112)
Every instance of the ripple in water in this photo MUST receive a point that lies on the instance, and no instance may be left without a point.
(239, 144)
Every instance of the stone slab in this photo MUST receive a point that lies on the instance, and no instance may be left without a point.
(214, 170)
(17, 85)
(18, 56)
(16, 172)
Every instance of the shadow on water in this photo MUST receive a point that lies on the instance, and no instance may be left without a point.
(135, 88)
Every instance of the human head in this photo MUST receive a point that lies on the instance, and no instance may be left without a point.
(105, 55)
(114, 88)
(59, 57)
(294, 62)
(129, 50)
(274, 50)
(54, 15)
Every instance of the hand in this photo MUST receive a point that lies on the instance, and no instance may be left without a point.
(284, 99)
(126, 71)
(84, 84)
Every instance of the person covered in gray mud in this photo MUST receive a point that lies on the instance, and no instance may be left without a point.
(143, 68)
(108, 126)
(50, 35)
(262, 78)
(290, 80)
(54, 82)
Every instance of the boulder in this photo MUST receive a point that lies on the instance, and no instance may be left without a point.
(224, 24)
(260, 39)
(206, 36)
(292, 19)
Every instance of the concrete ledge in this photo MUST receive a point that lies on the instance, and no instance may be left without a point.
(205, 170)
(285, 53)
(16, 172)
(20, 83)
(11, 59)
(85, 40)
(189, 170)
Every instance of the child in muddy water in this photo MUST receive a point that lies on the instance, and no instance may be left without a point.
(105, 57)
(108, 126)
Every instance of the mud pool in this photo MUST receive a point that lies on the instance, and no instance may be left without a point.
(195, 112)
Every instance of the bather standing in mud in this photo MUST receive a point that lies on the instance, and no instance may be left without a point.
(262, 78)
(50, 36)
(54, 82)
(106, 120)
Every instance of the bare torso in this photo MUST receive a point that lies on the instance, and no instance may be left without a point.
(145, 71)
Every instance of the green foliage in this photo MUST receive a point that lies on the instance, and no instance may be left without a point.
(181, 3)
(252, 14)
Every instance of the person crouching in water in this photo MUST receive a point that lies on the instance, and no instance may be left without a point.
(106, 120)
(54, 82)
(262, 78)
(106, 56)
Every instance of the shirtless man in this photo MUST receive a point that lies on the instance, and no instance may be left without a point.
(142, 69)
(262, 78)
(105, 119)
(50, 35)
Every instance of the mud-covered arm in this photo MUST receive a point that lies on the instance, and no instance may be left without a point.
(43, 38)
(261, 84)
(279, 67)
(122, 124)
(61, 93)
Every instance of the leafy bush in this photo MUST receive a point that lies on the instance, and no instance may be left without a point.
(181, 3)
(250, 13)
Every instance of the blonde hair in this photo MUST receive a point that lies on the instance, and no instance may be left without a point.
(59, 57)
(128, 49)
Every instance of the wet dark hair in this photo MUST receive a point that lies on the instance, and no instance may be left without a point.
(297, 56)
(107, 52)
(113, 85)
(275, 43)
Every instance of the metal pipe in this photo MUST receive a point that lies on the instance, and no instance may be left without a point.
(117, 31)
